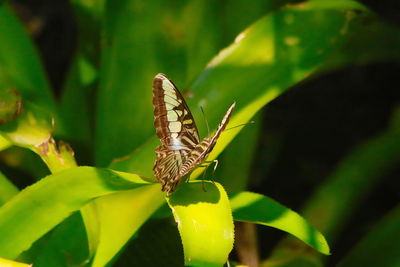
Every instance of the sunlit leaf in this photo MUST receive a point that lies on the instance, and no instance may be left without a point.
(9, 263)
(7, 189)
(256, 208)
(25, 218)
(31, 128)
(205, 223)
(4, 143)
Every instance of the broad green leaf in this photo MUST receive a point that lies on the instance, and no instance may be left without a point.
(204, 36)
(127, 69)
(256, 208)
(9, 263)
(7, 189)
(58, 247)
(139, 205)
(205, 223)
(25, 218)
(274, 53)
(233, 24)
(380, 247)
(20, 61)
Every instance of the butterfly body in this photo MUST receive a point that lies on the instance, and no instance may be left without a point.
(181, 150)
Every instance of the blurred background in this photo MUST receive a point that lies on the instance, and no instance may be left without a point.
(302, 140)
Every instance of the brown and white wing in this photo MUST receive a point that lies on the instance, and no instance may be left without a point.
(166, 167)
(173, 120)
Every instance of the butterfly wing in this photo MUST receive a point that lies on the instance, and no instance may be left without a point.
(173, 120)
(167, 166)
(176, 130)
(201, 151)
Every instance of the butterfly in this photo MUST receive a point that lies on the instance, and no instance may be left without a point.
(181, 150)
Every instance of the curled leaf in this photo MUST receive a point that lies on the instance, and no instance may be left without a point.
(205, 223)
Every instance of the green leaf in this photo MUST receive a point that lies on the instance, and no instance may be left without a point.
(7, 189)
(59, 246)
(204, 222)
(4, 143)
(127, 69)
(203, 37)
(139, 205)
(77, 105)
(20, 61)
(25, 218)
(75, 102)
(10, 103)
(380, 247)
(8, 263)
(256, 208)
(30, 129)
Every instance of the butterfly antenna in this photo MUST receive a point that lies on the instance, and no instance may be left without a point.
(243, 124)
(205, 119)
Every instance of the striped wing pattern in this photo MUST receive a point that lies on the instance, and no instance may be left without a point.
(173, 121)
(181, 150)
(167, 166)
(201, 151)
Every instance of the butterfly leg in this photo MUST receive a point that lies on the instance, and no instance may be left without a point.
(215, 167)
(203, 185)
(203, 178)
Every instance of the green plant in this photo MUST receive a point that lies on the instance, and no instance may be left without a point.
(135, 40)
